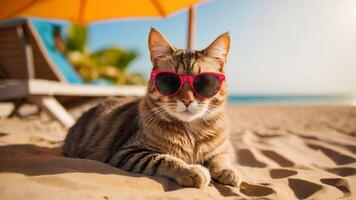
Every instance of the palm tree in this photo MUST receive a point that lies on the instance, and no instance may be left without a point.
(77, 38)
(110, 64)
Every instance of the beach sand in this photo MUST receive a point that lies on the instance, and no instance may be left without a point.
(285, 152)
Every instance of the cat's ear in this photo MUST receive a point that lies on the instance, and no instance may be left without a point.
(158, 45)
(219, 48)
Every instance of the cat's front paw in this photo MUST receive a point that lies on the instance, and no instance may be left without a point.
(227, 176)
(195, 176)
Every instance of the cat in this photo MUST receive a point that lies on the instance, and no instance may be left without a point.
(183, 136)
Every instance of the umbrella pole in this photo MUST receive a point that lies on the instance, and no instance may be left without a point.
(191, 27)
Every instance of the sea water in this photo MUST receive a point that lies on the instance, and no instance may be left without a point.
(278, 99)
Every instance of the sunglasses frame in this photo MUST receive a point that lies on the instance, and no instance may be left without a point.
(185, 78)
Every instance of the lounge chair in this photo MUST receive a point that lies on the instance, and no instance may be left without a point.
(31, 69)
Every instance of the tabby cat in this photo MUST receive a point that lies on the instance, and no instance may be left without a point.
(177, 130)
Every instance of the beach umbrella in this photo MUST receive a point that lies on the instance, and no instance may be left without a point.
(93, 11)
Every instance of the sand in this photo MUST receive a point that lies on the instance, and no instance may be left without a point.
(285, 152)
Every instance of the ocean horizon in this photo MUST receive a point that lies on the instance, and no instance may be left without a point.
(294, 99)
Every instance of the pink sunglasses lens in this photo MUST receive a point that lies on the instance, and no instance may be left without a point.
(167, 83)
(207, 85)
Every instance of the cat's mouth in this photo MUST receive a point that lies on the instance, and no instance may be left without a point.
(187, 115)
(187, 112)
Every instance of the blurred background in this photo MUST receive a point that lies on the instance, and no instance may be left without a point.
(281, 51)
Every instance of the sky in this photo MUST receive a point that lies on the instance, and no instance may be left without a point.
(282, 47)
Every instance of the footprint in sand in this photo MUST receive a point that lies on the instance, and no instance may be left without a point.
(281, 173)
(339, 183)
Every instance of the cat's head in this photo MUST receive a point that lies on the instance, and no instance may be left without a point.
(186, 105)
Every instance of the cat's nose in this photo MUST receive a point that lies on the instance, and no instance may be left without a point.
(187, 97)
(187, 102)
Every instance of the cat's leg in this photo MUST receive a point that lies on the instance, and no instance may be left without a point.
(187, 175)
(150, 163)
(222, 170)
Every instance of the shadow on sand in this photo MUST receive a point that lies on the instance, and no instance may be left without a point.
(32, 160)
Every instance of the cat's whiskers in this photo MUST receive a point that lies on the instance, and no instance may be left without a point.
(150, 116)
(153, 118)
(212, 114)
(157, 118)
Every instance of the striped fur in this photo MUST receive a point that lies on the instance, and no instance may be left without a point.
(151, 135)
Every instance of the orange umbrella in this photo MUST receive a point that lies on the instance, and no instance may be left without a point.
(88, 11)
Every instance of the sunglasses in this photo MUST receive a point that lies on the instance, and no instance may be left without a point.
(204, 85)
